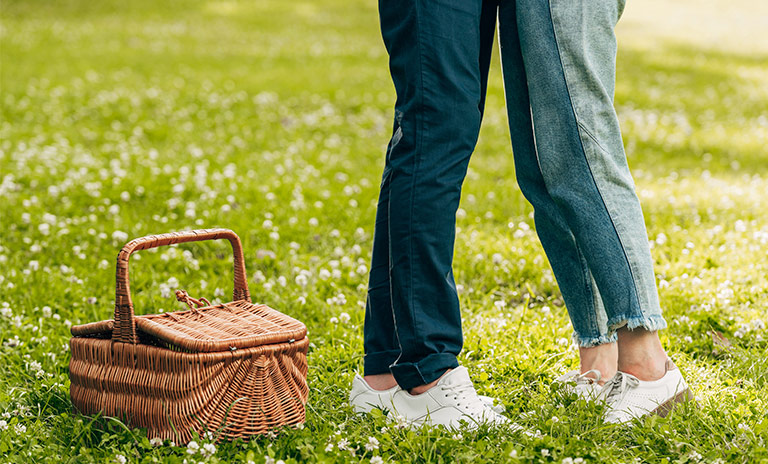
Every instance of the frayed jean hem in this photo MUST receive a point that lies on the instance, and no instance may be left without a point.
(651, 323)
(589, 342)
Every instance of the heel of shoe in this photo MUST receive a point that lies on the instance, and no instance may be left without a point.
(664, 409)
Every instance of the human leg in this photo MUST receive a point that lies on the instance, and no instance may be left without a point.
(435, 62)
(574, 277)
(569, 53)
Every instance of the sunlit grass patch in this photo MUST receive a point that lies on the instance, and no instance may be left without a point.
(270, 118)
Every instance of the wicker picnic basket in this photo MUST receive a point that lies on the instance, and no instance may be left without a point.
(234, 369)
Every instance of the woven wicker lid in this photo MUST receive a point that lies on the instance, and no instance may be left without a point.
(222, 327)
(227, 326)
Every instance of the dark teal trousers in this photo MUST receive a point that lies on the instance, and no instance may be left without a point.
(439, 65)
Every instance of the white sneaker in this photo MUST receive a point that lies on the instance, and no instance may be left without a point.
(584, 386)
(450, 402)
(629, 397)
(363, 398)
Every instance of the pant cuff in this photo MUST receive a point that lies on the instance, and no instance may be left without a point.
(410, 375)
(589, 342)
(379, 362)
(650, 323)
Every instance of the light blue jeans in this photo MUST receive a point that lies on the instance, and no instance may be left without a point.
(559, 64)
(558, 60)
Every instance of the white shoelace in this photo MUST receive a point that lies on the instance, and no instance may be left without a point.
(467, 398)
(618, 386)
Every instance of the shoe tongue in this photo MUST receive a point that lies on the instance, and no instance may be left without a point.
(457, 376)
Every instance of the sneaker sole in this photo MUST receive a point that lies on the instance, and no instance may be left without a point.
(666, 407)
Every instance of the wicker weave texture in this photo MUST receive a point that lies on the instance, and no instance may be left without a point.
(238, 324)
(172, 394)
(234, 369)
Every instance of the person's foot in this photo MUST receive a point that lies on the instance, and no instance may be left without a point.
(450, 402)
(586, 386)
(363, 398)
(628, 397)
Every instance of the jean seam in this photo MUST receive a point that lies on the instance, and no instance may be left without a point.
(586, 158)
(418, 147)
(588, 132)
(588, 281)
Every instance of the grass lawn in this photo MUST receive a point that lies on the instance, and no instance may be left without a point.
(121, 119)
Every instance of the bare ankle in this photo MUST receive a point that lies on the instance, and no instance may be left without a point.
(641, 354)
(422, 388)
(380, 381)
(601, 358)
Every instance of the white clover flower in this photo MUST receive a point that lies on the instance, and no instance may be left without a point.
(269, 459)
(119, 236)
(324, 274)
(302, 280)
(329, 447)
(192, 447)
(6, 310)
(20, 428)
(373, 444)
(567, 461)
(377, 460)
(333, 320)
(44, 228)
(209, 449)
(165, 291)
(120, 459)
(362, 269)
(544, 452)
(157, 441)
(743, 427)
(343, 444)
(34, 265)
(344, 318)
(3, 425)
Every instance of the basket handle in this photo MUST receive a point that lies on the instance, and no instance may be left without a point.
(125, 328)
